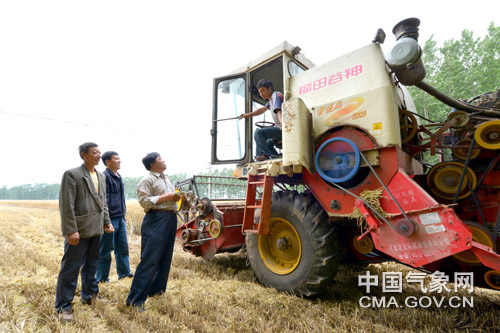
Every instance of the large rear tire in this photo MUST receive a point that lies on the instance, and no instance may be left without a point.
(301, 253)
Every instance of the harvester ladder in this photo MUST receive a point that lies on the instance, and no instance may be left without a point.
(250, 223)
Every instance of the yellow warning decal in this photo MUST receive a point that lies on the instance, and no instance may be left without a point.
(377, 129)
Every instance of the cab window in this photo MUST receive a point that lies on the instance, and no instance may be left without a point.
(230, 131)
(294, 68)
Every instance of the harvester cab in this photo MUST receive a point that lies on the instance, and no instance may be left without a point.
(351, 183)
(232, 139)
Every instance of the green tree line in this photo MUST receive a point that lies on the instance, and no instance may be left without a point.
(51, 191)
(461, 69)
(30, 192)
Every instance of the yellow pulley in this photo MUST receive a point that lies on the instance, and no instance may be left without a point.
(492, 278)
(364, 246)
(461, 153)
(462, 118)
(408, 125)
(487, 135)
(480, 234)
(215, 228)
(443, 180)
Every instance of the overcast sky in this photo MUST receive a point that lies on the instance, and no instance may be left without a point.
(136, 76)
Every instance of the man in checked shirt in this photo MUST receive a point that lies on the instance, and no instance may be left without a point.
(157, 196)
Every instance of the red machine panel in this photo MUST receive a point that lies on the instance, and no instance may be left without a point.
(432, 231)
(200, 243)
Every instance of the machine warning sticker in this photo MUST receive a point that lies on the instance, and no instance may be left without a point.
(377, 129)
(433, 229)
(430, 218)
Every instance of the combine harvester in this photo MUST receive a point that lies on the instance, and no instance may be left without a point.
(352, 183)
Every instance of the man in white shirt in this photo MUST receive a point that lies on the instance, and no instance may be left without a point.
(157, 196)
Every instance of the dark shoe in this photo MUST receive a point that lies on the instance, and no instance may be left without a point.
(66, 315)
(103, 281)
(261, 158)
(155, 294)
(138, 308)
(94, 298)
(87, 301)
(129, 275)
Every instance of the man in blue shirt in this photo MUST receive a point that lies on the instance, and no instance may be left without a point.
(266, 137)
(117, 241)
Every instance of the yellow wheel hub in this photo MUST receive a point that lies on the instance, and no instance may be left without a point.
(488, 135)
(443, 180)
(480, 235)
(281, 249)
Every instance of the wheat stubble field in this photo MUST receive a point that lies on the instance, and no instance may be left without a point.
(218, 295)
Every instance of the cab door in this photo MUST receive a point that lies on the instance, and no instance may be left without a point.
(230, 136)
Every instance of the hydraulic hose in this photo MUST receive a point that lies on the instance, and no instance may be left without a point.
(489, 112)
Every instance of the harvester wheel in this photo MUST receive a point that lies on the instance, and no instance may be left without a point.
(301, 252)
(492, 279)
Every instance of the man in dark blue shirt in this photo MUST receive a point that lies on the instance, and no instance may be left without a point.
(117, 241)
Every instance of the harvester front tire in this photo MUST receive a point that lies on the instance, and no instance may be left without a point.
(302, 252)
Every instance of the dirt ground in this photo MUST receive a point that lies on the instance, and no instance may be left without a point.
(217, 295)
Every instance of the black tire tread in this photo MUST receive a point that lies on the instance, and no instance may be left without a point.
(326, 245)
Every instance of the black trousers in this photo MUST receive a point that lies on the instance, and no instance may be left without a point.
(85, 255)
(157, 247)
